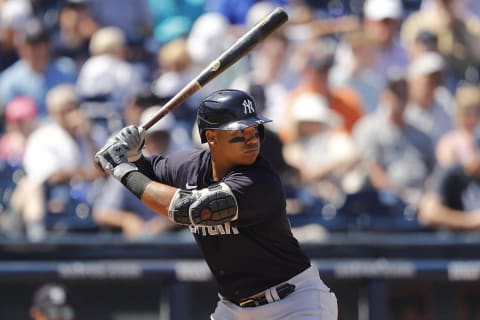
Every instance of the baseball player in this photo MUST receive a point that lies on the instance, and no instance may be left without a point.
(234, 205)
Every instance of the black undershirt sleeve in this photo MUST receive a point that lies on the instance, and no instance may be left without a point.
(145, 166)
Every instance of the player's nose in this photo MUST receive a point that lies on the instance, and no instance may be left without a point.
(252, 136)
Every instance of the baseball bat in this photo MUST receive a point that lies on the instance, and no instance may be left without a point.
(231, 55)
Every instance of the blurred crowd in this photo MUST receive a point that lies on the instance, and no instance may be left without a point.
(375, 107)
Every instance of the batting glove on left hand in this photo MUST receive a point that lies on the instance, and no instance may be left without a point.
(134, 139)
(113, 159)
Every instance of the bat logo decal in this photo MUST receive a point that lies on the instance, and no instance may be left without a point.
(215, 65)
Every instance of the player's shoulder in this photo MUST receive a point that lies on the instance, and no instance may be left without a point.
(259, 173)
(188, 154)
(188, 157)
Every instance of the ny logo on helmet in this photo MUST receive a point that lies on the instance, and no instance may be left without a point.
(248, 107)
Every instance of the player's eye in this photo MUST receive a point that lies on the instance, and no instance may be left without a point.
(237, 139)
(244, 135)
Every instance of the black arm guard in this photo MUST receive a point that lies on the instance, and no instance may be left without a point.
(211, 206)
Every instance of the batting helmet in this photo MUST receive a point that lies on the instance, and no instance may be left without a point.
(228, 110)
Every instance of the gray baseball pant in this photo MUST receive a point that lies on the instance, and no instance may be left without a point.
(312, 299)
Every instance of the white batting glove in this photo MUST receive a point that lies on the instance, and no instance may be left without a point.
(134, 139)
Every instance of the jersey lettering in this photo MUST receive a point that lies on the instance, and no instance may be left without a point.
(217, 230)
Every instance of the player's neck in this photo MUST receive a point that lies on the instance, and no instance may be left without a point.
(219, 171)
(220, 168)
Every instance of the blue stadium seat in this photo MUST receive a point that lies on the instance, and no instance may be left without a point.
(68, 210)
(370, 210)
(9, 176)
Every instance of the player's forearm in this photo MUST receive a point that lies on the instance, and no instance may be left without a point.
(114, 218)
(379, 178)
(157, 196)
(433, 213)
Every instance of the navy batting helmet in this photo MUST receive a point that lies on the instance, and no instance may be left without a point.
(228, 110)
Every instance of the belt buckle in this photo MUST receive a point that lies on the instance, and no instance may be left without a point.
(245, 302)
(285, 290)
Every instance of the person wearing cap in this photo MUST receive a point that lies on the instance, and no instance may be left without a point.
(425, 41)
(397, 157)
(36, 72)
(51, 301)
(57, 157)
(209, 37)
(457, 30)
(381, 20)
(431, 105)
(13, 15)
(313, 61)
(323, 154)
(118, 209)
(21, 120)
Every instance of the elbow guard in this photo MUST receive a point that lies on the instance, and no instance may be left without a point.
(210, 206)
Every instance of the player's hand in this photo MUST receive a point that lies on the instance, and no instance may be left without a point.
(113, 159)
(134, 139)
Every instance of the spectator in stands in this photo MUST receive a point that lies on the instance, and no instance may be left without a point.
(453, 199)
(118, 208)
(431, 105)
(51, 301)
(457, 30)
(13, 15)
(21, 120)
(322, 153)
(106, 75)
(313, 61)
(460, 144)
(134, 19)
(425, 41)
(397, 156)
(35, 73)
(355, 67)
(382, 19)
(210, 35)
(75, 28)
(131, 17)
(175, 71)
(269, 80)
(144, 99)
(57, 159)
(132, 114)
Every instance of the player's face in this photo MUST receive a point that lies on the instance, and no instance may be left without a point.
(240, 147)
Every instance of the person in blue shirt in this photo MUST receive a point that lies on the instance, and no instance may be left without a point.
(35, 73)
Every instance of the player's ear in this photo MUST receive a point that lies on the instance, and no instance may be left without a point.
(210, 135)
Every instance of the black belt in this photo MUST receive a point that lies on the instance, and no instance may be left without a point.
(283, 290)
